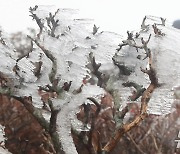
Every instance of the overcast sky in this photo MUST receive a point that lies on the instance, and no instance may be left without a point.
(114, 15)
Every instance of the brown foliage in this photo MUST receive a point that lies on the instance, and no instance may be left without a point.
(23, 133)
(155, 134)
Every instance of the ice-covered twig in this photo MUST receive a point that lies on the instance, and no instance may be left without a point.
(157, 31)
(163, 21)
(52, 23)
(95, 70)
(37, 70)
(131, 42)
(53, 119)
(38, 20)
(139, 89)
(27, 102)
(144, 27)
(95, 29)
(52, 127)
(67, 86)
(27, 54)
(124, 70)
(144, 46)
(52, 75)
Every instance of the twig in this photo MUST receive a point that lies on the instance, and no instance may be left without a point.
(67, 86)
(139, 89)
(157, 31)
(129, 41)
(155, 143)
(87, 108)
(124, 70)
(95, 29)
(144, 101)
(95, 70)
(52, 23)
(133, 44)
(38, 20)
(163, 20)
(144, 27)
(37, 70)
(27, 102)
(135, 144)
(53, 118)
(27, 54)
(48, 53)
(94, 117)
(123, 112)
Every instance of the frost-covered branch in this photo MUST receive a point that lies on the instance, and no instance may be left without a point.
(37, 69)
(124, 70)
(95, 29)
(38, 20)
(139, 89)
(163, 20)
(131, 42)
(143, 112)
(144, 27)
(27, 102)
(52, 127)
(53, 119)
(52, 75)
(52, 23)
(27, 54)
(95, 70)
(157, 31)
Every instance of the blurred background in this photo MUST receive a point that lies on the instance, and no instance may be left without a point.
(112, 15)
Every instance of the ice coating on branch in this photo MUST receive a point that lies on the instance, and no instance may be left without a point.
(67, 117)
(70, 45)
(166, 60)
(7, 55)
(73, 42)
